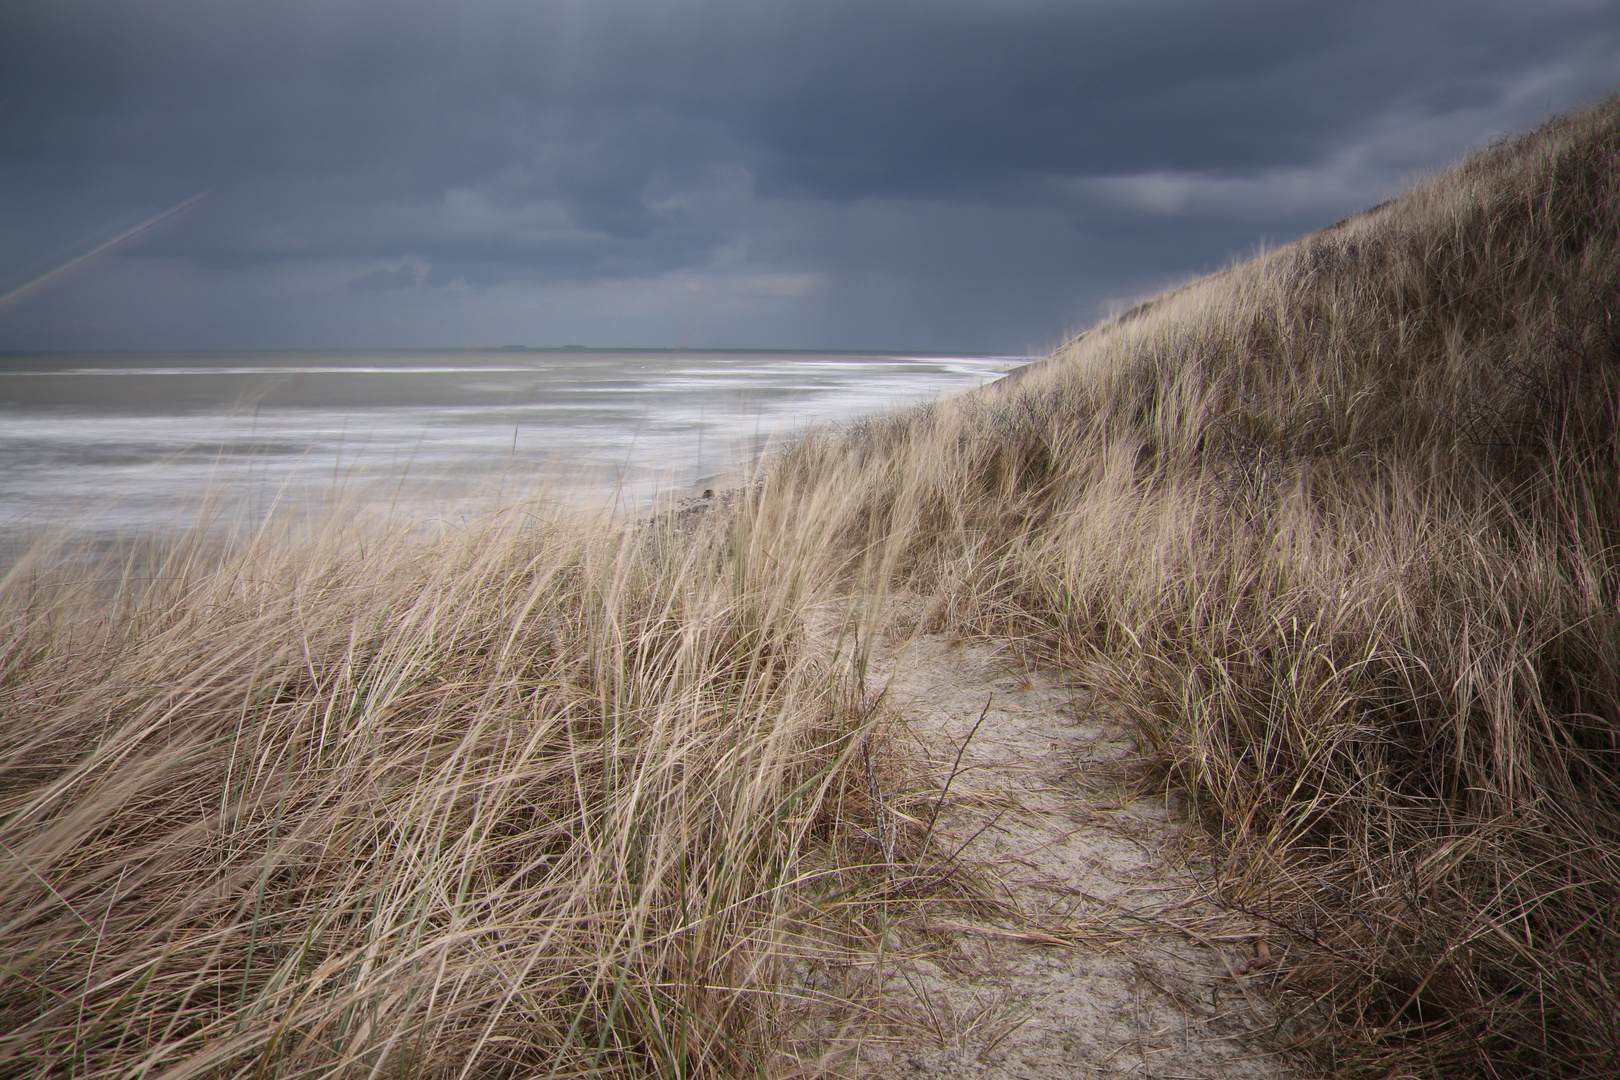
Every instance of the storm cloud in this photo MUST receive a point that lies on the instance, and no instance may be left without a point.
(949, 174)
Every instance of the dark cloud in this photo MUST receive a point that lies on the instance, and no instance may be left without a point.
(840, 172)
(403, 277)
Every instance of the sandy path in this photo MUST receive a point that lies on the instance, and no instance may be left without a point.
(1083, 961)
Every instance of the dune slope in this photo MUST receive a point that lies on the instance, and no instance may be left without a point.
(1339, 526)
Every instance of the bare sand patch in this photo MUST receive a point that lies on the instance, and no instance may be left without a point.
(1091, 948)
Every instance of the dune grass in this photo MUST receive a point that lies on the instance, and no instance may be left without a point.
(550, 795)
(1340, 526)
(543, 795)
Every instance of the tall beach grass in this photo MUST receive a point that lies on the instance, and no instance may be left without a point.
(1339, 528)
(553, 795)
(540, 795)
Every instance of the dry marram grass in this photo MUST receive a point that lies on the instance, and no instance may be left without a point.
(1340, 525)
(1336, 527)
(534, 797)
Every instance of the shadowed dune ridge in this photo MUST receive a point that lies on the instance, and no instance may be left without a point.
(547, 795)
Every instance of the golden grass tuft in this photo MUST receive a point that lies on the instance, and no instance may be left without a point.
(539, 796)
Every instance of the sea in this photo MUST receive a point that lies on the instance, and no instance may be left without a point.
(118, 444)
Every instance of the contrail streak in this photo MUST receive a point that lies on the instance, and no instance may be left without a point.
(102, 249)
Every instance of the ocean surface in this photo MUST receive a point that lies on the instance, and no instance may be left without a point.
(127, 442)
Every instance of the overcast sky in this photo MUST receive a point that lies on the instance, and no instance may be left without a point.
(975, 175)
